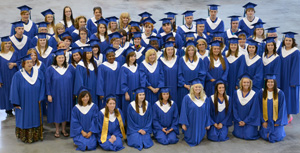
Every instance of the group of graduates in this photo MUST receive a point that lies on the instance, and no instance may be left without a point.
(113, 78)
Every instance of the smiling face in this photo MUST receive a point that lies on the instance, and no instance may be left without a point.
(165, 96)
(197, 89)
(49, 18)
(102, 29)
(60, 59)
(81, 22)
(167, 27)
(191, 52)
(246, 84)
(270, 47)
(42, 42)
(111, 105)
(33, 57)
(233, 47)
(170, 51)
(141, 97)
(76, 57)
(89, 55)
(85, 99)
(270, 84)
(221, 89)
(25, 16)
(259, 31)
(7, 45)
(200, 28)
(110, 57)
(251, 49)
(67, 43)
(68, 12)
(97, 14)
(152, 57)
(216, 50)
(288, 42)
(137, 41)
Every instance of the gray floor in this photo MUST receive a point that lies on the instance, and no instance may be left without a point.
(273, 12)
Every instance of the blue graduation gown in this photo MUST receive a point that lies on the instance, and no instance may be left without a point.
(290, 80)
(246, 26)
(186, 72)
(178, 39)
(214, 26)
(276, 133)
(30, 29)
(181, 30)
(26, 91)
(91, 25)
(170, 70)
(254, 67)
(103, 44)
(229, 34)
(215, 73)
(75, 35)
(89, 81)
(272, 65)
(235, 63)
(128, 80)
(82, 119)
(6, 75)
(113, 129)
(165, 116)
(139, 56)
(223, 117)
(151, 75)
(21, 47)
(145, 41)
(70, 28)
(107, 81)
(195, 115)
(47, 57)
(136, 122)
(51, 41)
(246, 109)
(59, 85)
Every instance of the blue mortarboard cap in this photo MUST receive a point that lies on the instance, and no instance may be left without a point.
(270, 76)
(246, 75)
(190, 43)
(59, 52)
(234, 17)
(5, 39)
(213, 6)
(169, 44)
(83, 88)
(249, 5)
(258, 24)
(272, 29)
(290, 34)
(149, 20)
(87, 49)
(145, 14)
(270, 39)
(155, 38)
(24, 8)
(134, 24)
(165, 89)
(109, 96)
(200, 21)
(148, 47)
(112, 19)
(220, 81)
(167, 36)
(188, 13)
(170, 15)
(26, 57)
(128, 50)
(218, 34)
(102, 21)
(252, 42)
(76, 50)
(18, 24)
(234, 40)
(93, 42)
(139, 90)
(63, 35)
(42, 35)
(190, 34)
(42, 24)
(137, 34)
(109, 49)
(46, 12)
(195, 81)
(215, 43)
(114, 35)
(165, 20)
(241, 32)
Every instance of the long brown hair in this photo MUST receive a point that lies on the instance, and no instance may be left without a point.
(115, 110)
(161, 99)
(216, 99)
(98, 32)
(275, 90)
(76, 22)
(86, 63)
(81, 95)
(230, 51)
(65, 18)
(294, 44)
(137, 109)
(212, 60)
(195, 58)
(12, 49)
(33, 51)
(127, 58)
(39, 47)
(274, 50)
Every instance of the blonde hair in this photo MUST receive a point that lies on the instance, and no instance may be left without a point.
(10, 49)
(148, 53)
(39, 46)
(195, 58)
(52, 24)
(124, 15)
(263, 34)
(58, 26)
(241, 83)
(76, 21)
(201, 40)
(202, 92)
(33, 51)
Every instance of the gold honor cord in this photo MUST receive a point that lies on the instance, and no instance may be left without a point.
(105, 127)
(265, 109)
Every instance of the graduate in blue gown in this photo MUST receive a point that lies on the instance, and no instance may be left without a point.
(83, 115)
(114, 40)
(188, 26)
(59, 91)
(246, 112)
(259, 36)
(26, 93)
(194, 116)
(188, 36)
(8, 67)
(271, 60)
(165, 36)
(290, 72)
(220, 113)
(112, 25)
(273, 111)
(97, 52)
(110, 126)
(190, 67)
(107, 80)
(151, 76)
(91, 24)
(45, 52)
(253, 65)
(246, 24)
(148, 26)
(172, 16)
(202, 52)
(145, 15)
(200, 30)
(139, 122)
(236, 60)
(272, 32)
(51, 41)
(50, 19)
(170, 65)
(20, 42)
(219, 36)
(68, 20)
(76, 56)
(165, 118)
(35, 61)
(86, 74)
(139, 48)
(83, 38)
(217, 67)
(101, 34)
(128, 80)
(30, 28)
(80, 22)
(233, 30)
(214, 23)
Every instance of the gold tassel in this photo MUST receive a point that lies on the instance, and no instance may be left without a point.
(104, 129)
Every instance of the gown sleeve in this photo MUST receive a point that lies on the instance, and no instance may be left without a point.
(295, 70)
(175, 119)
(14, 90)
(148, 126)
(282, 113)
(49, 73)
(42, 87)
(258, 77)
(143, 76)
(228, 119)
(254, 115)
(235, 111)
(161, 82)
(78, 79)
(100, 81)
(156, 123)
(181, 81)
(184, 112)
(76, 127)
(260, 99)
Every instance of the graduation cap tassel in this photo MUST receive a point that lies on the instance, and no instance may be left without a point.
(208, 11)
(244, 12)
(183, 19)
